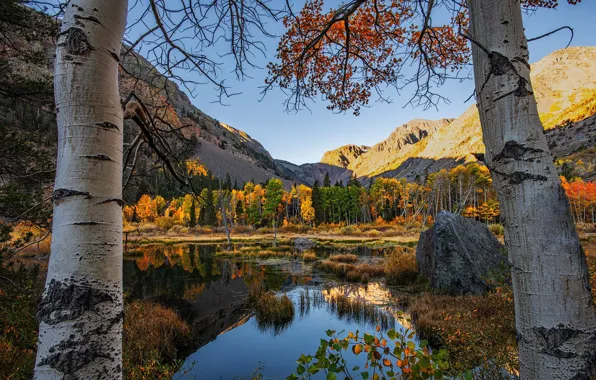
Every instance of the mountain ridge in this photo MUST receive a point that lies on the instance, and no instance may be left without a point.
(565, 87)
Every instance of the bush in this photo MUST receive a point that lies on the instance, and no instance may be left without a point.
(351, 230)
(164, 223)
(412, 361)
(178, 230)
(400, 268)
(497, 229)
(151, 336)
(242, 229)
(264, 230)
(374, 233)
(204, 230)
(295, 228)
(147, 227)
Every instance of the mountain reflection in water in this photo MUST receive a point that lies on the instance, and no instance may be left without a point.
(210, 289)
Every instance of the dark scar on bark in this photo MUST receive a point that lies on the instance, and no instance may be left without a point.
(514, 150)
(100, 157)
(553, 338)
(76, 42)
(88, 18)
(501, 65)
(73, 355)
(518, 177)
(107, 125)
(115, 56)
(85, 223)
(66, 301)
(77, 351)
(60, 194)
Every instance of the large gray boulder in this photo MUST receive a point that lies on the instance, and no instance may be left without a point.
(458, 255)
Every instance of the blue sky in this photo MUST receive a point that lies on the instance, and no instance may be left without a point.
(304, 137)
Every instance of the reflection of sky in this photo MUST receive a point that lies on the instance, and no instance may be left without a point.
(239, 351)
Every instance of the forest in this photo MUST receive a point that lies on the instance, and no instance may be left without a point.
(465, 190)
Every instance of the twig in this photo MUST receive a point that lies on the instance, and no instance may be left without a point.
(555, 31)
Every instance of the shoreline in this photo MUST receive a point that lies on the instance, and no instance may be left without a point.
(254, 238)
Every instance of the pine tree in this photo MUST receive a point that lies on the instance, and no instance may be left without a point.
(228, 183)
(273, 197)
(193, 215)
(327, 181)
(354, 181)
(317, 203)
(208, 215)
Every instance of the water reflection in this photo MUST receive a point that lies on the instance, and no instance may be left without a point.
(211, 288)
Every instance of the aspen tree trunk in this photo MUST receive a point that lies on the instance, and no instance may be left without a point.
(80, 314)
(555, 319)
(224, 215)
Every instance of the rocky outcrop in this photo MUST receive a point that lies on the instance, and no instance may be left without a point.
(564, 83)
(302, 243)
(344, 156)
(458, 255)
(309, 173)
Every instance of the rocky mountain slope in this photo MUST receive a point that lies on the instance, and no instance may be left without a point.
(26, 60)
(344, 155)
(565, 87)
(221, 147)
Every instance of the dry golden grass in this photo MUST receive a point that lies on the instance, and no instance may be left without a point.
(272, 312)
(344, 258)
(352, 272)
(251, 252)
(472, 329)
(151, 336)
(400, 268)
(309, 256)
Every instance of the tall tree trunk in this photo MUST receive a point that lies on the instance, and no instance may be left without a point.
(274, 233)
(555, 318)
(80, 314)
(224, 213)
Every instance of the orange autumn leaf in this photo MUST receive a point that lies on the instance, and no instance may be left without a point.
(357, 349)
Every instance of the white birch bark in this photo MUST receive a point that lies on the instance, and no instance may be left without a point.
(80, 315)
(553, 305)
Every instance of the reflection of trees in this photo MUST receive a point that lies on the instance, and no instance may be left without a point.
(355, 304)
(175, 271)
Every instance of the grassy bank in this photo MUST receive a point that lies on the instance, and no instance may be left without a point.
(284, 238)
(152, 333)
(152, 336)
